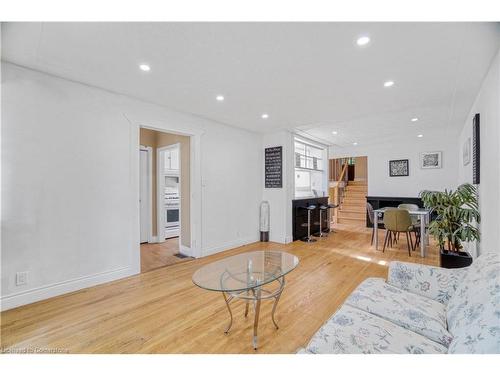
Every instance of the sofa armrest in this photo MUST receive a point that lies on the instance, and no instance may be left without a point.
(432, 282)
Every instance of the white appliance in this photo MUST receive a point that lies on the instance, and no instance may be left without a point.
(172, 205)
(169, 190)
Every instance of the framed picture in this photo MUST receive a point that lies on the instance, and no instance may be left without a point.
(476, 150)
(398, 168)
(430, 160)
(466, 152)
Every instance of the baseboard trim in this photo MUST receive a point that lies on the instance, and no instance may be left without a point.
(52, 290)
(228, 245)
(282, 240)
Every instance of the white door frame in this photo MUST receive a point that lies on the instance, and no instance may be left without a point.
(196, 213)
(149, 195)
(160, 197)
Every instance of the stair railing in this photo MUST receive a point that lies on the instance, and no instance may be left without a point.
(342, 184)
(337, 192)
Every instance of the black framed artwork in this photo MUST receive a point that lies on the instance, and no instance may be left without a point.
(476, 150)
(273, 157)
(399, 168)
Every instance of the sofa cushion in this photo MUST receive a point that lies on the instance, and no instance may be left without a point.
(353, 331)
(473, 312)
(411, 311)
(435, 283)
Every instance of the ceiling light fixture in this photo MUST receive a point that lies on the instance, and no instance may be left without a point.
(219, 98)
(265, 115)
(388, 83)
(334, 132)
(363, 40)
(414, 119)
(355, 144)
(420, 135)
(145, 67)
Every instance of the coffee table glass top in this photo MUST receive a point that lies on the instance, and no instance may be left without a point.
(245, 271)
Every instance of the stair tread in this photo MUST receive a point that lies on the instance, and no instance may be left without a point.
(351, 213)
(350, 219)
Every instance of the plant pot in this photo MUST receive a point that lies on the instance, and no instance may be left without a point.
(451, 259)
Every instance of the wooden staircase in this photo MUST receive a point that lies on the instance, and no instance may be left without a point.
(353, 207)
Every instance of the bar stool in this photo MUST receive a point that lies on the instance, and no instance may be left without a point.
(330, 206)
(309, 209)
(321, 233)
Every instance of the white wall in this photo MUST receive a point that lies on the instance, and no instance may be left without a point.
(487, 104)
(280, 200)
(379, 181)
(232, 190)
(70, 183)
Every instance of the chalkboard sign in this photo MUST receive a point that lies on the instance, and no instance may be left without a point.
(274, 167)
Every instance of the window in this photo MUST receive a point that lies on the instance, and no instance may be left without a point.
(309, 170)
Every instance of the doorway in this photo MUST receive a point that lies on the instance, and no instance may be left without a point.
(348, 190)
(164, 198)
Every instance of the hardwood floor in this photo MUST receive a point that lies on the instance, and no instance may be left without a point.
(161, 311)
(156, 255)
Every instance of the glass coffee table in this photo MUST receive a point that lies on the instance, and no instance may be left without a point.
(248, 276)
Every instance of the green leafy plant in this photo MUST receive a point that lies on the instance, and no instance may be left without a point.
(457, 212)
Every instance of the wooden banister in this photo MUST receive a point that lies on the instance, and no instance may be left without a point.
(342, 174)
(337, 192)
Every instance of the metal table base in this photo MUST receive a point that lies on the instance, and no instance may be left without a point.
(255, 295)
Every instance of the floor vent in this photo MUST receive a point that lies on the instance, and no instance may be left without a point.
(182, 256)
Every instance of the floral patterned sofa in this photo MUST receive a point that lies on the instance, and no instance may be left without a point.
(420, 309)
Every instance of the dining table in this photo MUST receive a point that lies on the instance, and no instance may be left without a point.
(423, 215)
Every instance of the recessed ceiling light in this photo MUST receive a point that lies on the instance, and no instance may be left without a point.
(388, 83)
(420, 135)
(265, 115)
(414, 119)
(363, 40)
(355, 144)
(219, 98)
(334, 132)
(145, 67)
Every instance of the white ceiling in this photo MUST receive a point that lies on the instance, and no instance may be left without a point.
(308, 76)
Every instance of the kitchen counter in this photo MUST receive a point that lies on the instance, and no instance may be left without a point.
(300, 216)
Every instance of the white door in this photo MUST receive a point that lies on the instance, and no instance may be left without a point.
(143, 196)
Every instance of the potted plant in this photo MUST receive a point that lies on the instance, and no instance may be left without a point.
(457, 212)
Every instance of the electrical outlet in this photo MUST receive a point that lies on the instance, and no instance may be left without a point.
(22, 278)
